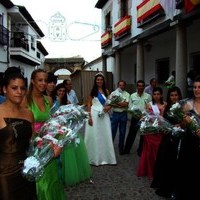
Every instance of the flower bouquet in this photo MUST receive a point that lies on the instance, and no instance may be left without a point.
(177, 132)
(169, 84)
(194, 125)
(136, 112)
(176, 112)
(61, 128)
(153, 124)
(114, 98)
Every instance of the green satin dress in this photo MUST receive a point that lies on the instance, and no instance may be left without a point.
(49, 186)
(75, 163)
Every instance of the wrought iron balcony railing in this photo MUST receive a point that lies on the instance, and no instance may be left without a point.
(4, 35)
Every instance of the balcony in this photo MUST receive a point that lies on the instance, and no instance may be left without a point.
(148, 11)
(106, 39)
(122, 27)
(20, 50)
(21, 43)
(4, 35)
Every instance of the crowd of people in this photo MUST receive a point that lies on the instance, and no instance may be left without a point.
(172, 163)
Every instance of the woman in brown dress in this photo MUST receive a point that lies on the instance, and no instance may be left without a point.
(15, 133)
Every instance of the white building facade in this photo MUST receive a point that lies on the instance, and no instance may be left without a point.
(22, 48)
(150, 38)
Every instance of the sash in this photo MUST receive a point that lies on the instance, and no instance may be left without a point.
(155, 109)
(101, 98)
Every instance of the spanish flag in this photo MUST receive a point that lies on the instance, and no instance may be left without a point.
(190, 4)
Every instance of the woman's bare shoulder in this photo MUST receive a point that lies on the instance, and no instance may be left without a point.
(2, 110)
(27, 114)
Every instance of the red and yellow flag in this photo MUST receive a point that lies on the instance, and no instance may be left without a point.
(190, 4)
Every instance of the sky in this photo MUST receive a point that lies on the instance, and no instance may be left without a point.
(71, 27)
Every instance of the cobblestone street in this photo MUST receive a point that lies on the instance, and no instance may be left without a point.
(115, 182)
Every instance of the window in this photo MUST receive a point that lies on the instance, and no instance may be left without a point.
(1, 19)
(195, 61)
(38, 55)
(162, 70)
(32, 43)
(108, 22)
(124, 8)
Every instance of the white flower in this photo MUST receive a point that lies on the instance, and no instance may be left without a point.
(77, 141)
(155, 123)
(29, 163)
(143, 125)
(37, 139)
(175, 106)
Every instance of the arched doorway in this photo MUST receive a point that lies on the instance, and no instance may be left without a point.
(62, 74)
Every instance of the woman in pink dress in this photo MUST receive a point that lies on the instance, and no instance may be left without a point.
(152, 141)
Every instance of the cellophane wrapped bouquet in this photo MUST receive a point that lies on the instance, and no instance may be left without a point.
(136, 112)
(60, 129)
(177, 113)
(177, 132)
(194, 125)
(153, 124)
(114, 98)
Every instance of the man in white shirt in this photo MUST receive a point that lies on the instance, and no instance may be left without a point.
(139, 99)
(119, 115)
(71, 94)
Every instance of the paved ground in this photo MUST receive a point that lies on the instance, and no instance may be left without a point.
(115, 182)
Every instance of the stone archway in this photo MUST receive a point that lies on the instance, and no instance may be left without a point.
(71, 64)
(62, 74)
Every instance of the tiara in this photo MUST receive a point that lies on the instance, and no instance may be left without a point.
(99, 74)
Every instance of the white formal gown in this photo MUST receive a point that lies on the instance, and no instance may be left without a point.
(98, 138)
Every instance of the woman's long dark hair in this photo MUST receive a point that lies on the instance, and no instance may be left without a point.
(169, 102)
(94, 91)
(158, 89)
(54, 94)
(12, 73)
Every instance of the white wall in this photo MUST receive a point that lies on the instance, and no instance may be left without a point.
(3, 50)
(26, 68)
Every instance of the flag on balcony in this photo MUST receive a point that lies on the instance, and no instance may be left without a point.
(190, 4)
(169, 6)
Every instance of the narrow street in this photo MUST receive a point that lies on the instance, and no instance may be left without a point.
(115, 182)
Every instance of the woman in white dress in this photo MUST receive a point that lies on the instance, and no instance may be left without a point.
(98, 136)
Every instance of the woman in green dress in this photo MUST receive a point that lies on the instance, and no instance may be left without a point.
(49, 186)
(74, 159)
